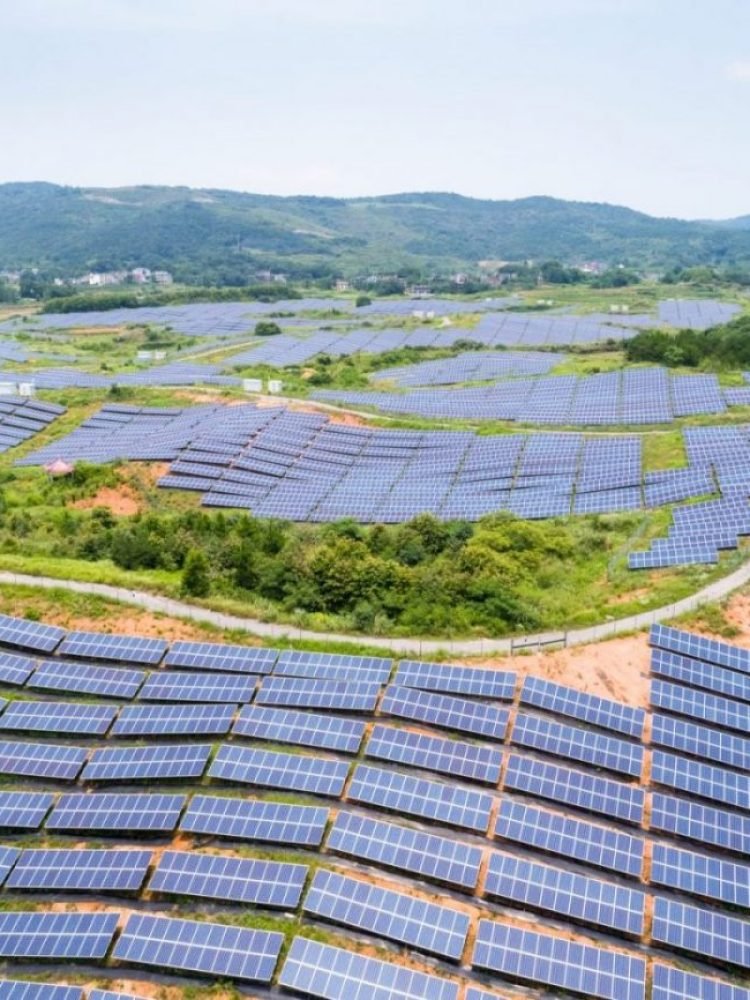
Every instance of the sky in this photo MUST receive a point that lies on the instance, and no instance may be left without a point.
(644, 103)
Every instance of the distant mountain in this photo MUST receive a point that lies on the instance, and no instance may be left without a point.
(194, 231)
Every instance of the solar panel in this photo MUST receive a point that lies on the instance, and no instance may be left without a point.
(558, 962)
(700, 741)
(700, 705)
(445, 711)
(261, 883)
(79, 678)
(112, 995)
(696, 821)
(388, 914)
(15, 670)
(302, 692)
(41, 760)
(448, 678)
(570, 838)
(24, 634)
(117, 812)
(589, 708)
(60, 936)
(58, 717)
(597, 749)
(270, 769)
(120, 648)
(216, 656)
(160, 763)
(195, 946)
(333, 666)
(466, 760)
(199, 687)
(438, 801)
(698, 778)
(708, 933)
(698, 674)
(17, 989)
(710, 650)
(174, 720)
(24, 810)
(282, 725)
(670, 983)
(406, 850)
(80, 870)
(251, 819)
(575, 788)
(320, 970)
(701, 875)
(565, 893)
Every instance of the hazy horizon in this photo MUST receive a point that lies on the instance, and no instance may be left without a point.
(616, 101)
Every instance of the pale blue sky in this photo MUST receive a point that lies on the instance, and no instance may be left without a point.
(638, 102)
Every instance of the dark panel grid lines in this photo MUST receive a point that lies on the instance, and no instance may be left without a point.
(409, 920)
(437, 801)
(174, 720)
(406, 850)
(79, 678)
(220, 657)
(113, 812)
(601, 712)
(582, 745)
(701, 875)
(554, 961)
(670, 983)
(281, 725)
(117, 648)
(452, 679)
(15, 670)
(710, 650)
(80, 870)
(41, 760)
(269, 769)
(696, 740)
(701, 705)
(241, 880)
(700, 779)
(446, 712)
(158, 763)
(703, 823)
(707, 933)
(328, 973)
(62, 936)
(252, 819)
(73, 718)
(301, 692)
(34, 636)
(333, 666)
(24, 810)
(199, 687)
(194, 946)
(575, 788)
(434, 753)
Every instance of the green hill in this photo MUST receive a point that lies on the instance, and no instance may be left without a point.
(192, 232)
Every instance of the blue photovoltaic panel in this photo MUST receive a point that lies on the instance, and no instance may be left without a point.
(446, 711)
(575, 788)
(388, 914)
(558, 962)
(112, 995)
(333, 666)
(440, 802)
(198, 946)
(120, 648)
(589, 708)
(251, 819)
(565, 893)
(701, 648)
(701, 875)
(8, 857)
(700, 741)
(570, 838)
(174, 720)
(56, 935)
(80, 871)
(701, 705)
(433, 753)
(24, 810)
(15, 670)
(452, 679)
(685, 670)
(216, 656)
(406, 850)
(178, 686)
(117, 812)
(41, 760)
(597, 749)
(79, 678)
(696, 821)
(708, 933)
(269, 769)
(29, 635)
(303, 692)
(157, 763)
(670, 983)
(241, 880)
(18, 989)
(700, 779)
(283, 725)
(322, 971)
(58, 717)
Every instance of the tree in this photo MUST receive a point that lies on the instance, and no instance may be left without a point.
(362, 300)
(266, 328)
(195, 578)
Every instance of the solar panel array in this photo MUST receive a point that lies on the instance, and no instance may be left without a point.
(22, 417)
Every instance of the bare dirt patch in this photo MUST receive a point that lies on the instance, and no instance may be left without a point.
(736, 614)
(119, 499)
(129, 622)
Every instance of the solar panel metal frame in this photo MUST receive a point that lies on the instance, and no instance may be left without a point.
(256, 820)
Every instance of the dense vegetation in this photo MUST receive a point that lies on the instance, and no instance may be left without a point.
(223, 236)
(722, 347)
